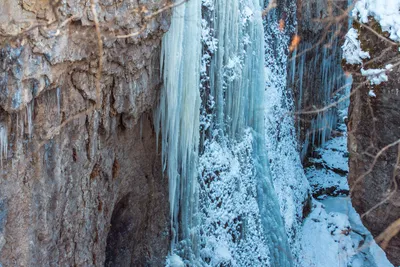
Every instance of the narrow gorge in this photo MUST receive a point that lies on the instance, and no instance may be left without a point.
(199, 133)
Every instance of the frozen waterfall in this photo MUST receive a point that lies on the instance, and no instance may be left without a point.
(212, 118)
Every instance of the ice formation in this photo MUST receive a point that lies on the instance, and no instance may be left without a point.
(3, 142)
(229, 149)
(328, 80)
(178, 117)
(237, 205)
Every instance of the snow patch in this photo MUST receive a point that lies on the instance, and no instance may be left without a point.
(371, 93)
(175, 261)
(352, 51)
(333, 236)
(377, 76)
(385, 12)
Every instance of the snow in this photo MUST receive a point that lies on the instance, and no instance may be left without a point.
(329, 168)
(333, 153)
(385, 12)
(352, 51)
(228, 201)
(377, 76)
(323, 239)
(175, 261)
(222, 253)
(367, 249)
(371, 93)
(324, 178)
(333, 234)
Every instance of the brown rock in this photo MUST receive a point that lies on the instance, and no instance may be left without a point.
(374, 126)
(80, 187)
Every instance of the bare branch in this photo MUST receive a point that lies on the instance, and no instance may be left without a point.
(100, 47)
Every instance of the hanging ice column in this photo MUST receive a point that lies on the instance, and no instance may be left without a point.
(236, 83)
(178, 117)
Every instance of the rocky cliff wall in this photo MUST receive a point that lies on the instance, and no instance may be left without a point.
(80, 186)
(374, 133)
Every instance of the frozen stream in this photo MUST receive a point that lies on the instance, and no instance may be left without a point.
(333, 234)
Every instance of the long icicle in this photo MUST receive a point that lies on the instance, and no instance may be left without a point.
(178, 117)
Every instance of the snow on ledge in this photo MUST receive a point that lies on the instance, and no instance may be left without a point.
(352, 51)
(377, 76)
(386, 12)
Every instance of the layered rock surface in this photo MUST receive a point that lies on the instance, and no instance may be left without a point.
(80, 186)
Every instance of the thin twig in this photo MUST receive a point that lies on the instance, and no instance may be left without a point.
(100, 47)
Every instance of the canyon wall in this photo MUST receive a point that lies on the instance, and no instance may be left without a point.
(374, 133)
(80, 185)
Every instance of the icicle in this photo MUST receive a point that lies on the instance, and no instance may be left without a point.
(293, 67)
(141, 127)
(29, 110)
(3, 143)
(58, 94)
(178, 116)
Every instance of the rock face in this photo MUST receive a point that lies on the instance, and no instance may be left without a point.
(80, 186)
(374, 129)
